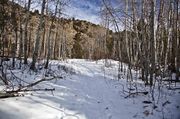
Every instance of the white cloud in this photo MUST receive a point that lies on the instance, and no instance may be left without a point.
(78, 10)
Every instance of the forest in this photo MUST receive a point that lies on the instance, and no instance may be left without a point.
(69, 67)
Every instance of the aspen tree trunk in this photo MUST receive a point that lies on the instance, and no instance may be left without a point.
(169, 35)
(127, 44)
(126, 38)
(135, 50)
(55, 46)
(42, 54)
(60, 45)
(158, 32)
(29, 41)
(13, 52)
(20, 52)
(26, 31)
(177, 40)
(38, 37)
(174, 37)
(152, 40)
(49, 37)
(49, 46)
(146, 40)
(65, 46)
(106, 38)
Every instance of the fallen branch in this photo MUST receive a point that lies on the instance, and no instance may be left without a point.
(165, 103)
(26, 90)
(44, 79)
(15, 93)
(136, 93)
(147, 102)
(6, 95)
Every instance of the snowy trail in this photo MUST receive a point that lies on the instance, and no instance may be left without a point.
(94, 85)
(84, 95)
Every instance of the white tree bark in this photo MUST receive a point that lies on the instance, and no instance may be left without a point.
(38, 37)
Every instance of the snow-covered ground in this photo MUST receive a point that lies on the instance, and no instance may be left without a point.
(88, 91)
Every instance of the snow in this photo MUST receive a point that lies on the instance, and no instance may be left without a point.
(89, 90)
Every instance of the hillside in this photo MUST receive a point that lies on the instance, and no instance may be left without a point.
(69, 37)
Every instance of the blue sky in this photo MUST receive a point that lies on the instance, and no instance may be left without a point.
(79, 9)
(85, 10)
